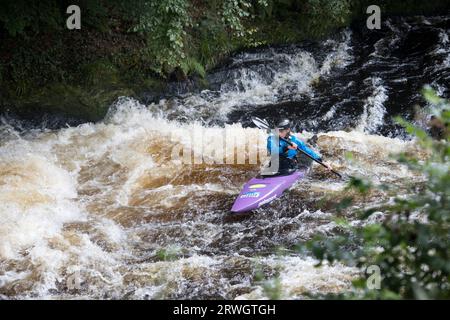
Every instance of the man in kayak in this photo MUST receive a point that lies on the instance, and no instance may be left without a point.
(287, 153)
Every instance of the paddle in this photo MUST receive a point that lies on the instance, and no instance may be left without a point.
(263, 124)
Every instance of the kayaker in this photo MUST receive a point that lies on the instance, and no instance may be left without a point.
(288, 153)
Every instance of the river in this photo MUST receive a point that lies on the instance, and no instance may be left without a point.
(101, 210)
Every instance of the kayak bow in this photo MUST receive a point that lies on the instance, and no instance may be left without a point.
(260, 191)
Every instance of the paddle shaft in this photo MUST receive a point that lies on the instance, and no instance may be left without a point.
(309, 156)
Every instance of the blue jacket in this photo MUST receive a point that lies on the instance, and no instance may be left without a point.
(289, 153)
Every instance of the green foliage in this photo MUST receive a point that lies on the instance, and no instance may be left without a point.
(327, 14)
(213, 42)
(50, 15)
(164, 23)
(100, 71)
(270, 282)
(232, 14)
(294, 20)
(94, 14)
(170, 253)
(191, 66)
(18, 15)
(272, 288)
(410, 245)
(210, 39)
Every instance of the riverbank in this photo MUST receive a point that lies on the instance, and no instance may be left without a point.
(77, 74)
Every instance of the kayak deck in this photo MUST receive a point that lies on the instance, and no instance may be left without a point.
(260, 191)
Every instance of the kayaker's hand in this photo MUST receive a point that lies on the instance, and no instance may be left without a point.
(293, 146)
(328, 166)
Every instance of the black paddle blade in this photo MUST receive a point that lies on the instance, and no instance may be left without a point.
(261, 123)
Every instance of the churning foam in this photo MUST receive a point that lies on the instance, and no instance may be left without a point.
(299, 276)
(36, 199)
(283, 77)
(374, 110)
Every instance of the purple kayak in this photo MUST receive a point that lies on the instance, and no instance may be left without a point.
(260, 191)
